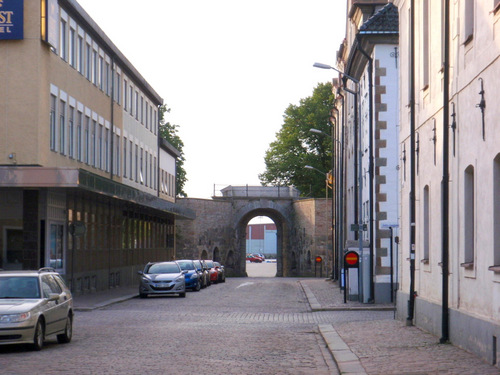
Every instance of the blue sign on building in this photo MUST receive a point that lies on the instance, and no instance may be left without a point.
(11, 19)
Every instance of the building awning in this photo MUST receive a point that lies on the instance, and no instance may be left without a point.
(39, 177)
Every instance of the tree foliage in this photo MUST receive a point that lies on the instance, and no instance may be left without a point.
(169, 132)
(296, 146)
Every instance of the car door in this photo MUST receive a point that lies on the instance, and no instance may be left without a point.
(55, 312)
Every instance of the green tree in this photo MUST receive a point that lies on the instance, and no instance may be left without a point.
(169, 132)
(296, 146)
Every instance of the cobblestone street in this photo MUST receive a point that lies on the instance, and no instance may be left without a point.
(244, 326)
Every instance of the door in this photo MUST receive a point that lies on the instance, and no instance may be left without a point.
(55, 256)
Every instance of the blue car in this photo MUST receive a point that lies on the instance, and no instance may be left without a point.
(193, 281)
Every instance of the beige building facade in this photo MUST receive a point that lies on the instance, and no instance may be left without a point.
(87, 185)
(456, 246)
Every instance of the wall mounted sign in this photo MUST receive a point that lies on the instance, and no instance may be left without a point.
(11, 19)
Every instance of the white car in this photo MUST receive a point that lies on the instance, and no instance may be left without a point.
(33, 306)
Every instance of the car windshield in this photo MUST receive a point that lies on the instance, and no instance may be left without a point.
(164, 268)
(197, 264)
(186, 265)
(210, 264)
(19, 287)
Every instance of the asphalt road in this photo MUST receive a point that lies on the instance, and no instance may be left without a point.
(243, 326)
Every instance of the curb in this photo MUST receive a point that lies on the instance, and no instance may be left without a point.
(347, 362)
(105, 303)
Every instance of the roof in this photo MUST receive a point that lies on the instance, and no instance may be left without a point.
(386, 20)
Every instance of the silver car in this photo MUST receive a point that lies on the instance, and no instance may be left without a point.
(162, 278)
(33, 306)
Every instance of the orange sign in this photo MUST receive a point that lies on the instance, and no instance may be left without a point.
(351, 259)
(319, 259)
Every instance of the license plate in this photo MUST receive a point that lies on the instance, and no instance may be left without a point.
(162, 285)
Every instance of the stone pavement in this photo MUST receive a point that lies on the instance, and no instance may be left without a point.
(385, 346)
(368, 347)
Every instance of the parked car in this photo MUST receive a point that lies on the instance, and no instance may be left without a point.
(162, 278)
(33, 306)
(192, 277)
(212, 271)
(203, 272)
(253, 258)
(221, 272)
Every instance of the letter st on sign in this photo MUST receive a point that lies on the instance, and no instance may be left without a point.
(11, 19)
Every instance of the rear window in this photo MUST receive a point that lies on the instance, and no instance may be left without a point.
(186, 265)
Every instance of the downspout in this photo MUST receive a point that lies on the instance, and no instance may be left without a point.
(446, 178)
(335, 204)
(370, 161)
(411, 300)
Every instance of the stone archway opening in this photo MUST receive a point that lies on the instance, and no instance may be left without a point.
(261, 242)
(281, 238)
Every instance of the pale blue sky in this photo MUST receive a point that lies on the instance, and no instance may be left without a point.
(228, 69)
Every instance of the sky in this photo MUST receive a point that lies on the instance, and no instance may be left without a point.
(227, 69)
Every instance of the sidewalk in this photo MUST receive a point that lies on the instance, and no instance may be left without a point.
(385, 346)
(92, 301)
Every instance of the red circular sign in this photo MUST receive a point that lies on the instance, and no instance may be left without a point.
(351, 259)
(319, 259)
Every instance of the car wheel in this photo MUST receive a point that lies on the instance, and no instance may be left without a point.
(198, 287)
(65, 337)
(143, 295)
(182, 295)
(39, 337)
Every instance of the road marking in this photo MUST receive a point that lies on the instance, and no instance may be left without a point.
(245, 284)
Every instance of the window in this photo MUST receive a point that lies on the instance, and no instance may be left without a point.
(125, 101)
(71, 132)
(130, 164)
(94, 67)
(496, 211)
(117, 89)
(142, 110)
(155, 124)
(136, 109)
(89, 62)
(131, 100)
(141, 167)
(93, 130)
(146, 169)
(79, 123)
(53, 101)
(124, 157)
(62, 41)
(116, 159)
(62, 127)
(136, 163)
(469, 217)
(100, 75)
(100, 146)
(426, 217)
(79, 54)
(107, 78)
(426, 42)
(72, 47)
(469, 21)
(106, 150)
(86, 145)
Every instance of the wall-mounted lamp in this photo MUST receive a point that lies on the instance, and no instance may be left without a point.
(482, 103)
(453, 125)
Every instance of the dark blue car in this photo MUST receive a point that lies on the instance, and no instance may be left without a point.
(193, 281)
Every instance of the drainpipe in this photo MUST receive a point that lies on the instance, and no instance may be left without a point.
(446, 178)
(370, 162)
(411, 300)
(342, 190)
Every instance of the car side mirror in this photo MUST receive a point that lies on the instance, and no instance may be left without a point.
(140, 273)
(185, 271)
(53, 297)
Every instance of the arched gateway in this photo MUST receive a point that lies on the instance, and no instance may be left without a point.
(303, 229)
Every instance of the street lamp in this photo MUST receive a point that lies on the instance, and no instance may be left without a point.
(358, 206)
(325, 66)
